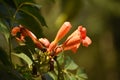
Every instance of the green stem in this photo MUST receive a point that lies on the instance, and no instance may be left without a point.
(18, 8)
(60, 76)
(11, 25)
(10, 57)
(14, 16)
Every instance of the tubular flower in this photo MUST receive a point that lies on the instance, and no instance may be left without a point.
(71, 43)
(45, 42)
(86, 41)
(74, 40)
(15, 31)
(61, 33)
(23, 32)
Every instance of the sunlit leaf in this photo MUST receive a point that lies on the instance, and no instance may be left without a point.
(68, 76)
(53, 75)
(72, 77)
(70, 64)
(4, 30)
(65, 77)
(81, 74)
(23, 49)
(24, 57)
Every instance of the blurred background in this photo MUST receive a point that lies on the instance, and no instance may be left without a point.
(102, 21)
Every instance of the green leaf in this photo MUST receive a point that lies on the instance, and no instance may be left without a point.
(4, 30)
(19, 2)
(69, 76)
(53, 75)
(31, 24)
(35, 13)
(30, 44)
(32, 20)
(32, 4)
(28, 14)
(60, 58)
(25, 12)
(24, 49)
(4, 57)
(65, 77)
(72, 77)
(33, 16)
(24, 57)
(81, 74)
(70, 64)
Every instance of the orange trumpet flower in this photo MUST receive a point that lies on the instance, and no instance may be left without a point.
(23, 33)
(61, 33)
(74, 40)
(71, 43)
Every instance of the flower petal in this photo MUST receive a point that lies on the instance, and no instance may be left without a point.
(52, 47)
(75, 48)
(75, 33)
(58, 50)
(45, 42)
(23, 33)
(62, 31)
(15, 30)
(72, 41)
(86, 42)
(83, 32)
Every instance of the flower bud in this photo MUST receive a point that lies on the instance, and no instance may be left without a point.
(62, 31)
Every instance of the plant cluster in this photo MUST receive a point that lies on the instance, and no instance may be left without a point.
(40, 59)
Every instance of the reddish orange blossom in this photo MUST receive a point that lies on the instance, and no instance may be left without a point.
(23, 33)
(15, 30)
(45, 42)
(61, 33)
(74, 40)
(79, 36)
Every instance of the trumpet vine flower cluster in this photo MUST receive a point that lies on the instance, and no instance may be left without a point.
(73, 41)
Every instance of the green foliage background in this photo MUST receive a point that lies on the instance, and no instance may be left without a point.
(101, 60)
